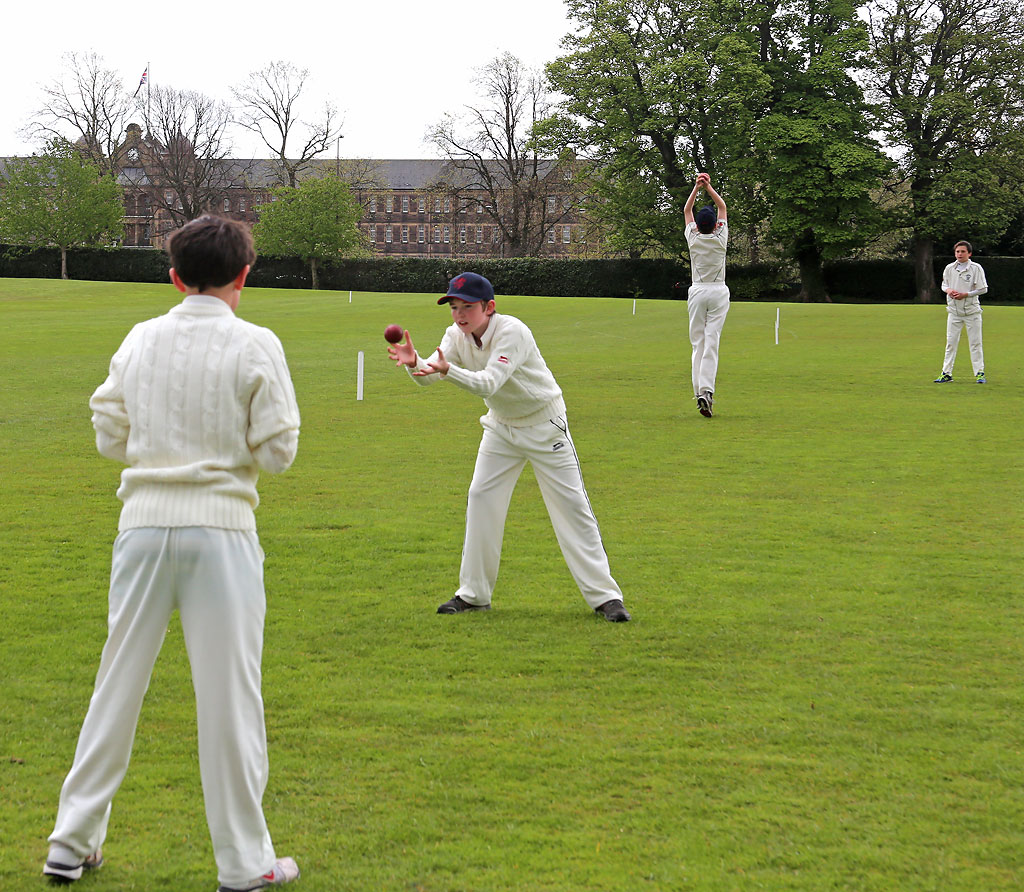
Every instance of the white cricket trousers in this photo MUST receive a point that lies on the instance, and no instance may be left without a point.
(707, 303)
(500, 460)
(214, 578)
(956, 324)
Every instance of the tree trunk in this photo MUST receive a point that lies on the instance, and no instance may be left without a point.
(63, 263)
(924, 269)
(315, 275)
(812, 273)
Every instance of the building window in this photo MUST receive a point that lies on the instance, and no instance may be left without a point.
(241, 205)
(437, 205)
(373, 233)
(495, 235)
(479, 208)
(169, 198)
(551, 236)
(227, 205)
(437, 235)
(373, 205)
(447, 205)
(390, 205)
(447, 234)
(387, 234)
(405, 204)
(405, 235)
(566, 235)
(463, 204)
(423, 205)
(479, 235)
(551, 203)
(462, 235)
(422, 234)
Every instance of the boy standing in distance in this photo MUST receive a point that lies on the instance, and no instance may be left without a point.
(964, 282)
(196, 403)
(496, 357)
(707, 301)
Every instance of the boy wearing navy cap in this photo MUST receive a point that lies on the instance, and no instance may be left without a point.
(495, 356)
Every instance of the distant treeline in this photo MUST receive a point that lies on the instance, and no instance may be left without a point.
(853, 281)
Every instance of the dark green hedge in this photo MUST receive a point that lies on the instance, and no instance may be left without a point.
(867, 281)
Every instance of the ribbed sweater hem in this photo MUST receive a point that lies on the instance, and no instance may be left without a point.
(186, 506)
(554, 409)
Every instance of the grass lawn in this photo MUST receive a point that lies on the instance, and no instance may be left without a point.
(821, 688)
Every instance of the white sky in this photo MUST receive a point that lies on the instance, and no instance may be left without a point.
(392, 68)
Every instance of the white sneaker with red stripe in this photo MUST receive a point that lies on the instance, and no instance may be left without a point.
(284, 871)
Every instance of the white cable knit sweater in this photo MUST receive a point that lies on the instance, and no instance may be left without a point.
(196, 402)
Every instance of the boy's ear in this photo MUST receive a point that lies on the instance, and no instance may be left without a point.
(176, 281)
(239, 282)
(490, 306)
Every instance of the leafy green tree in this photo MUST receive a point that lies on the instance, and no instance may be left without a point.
(316, 221)
(817, 158)
(946, 74)
(655, 91)
(757, 93)
(61, 199)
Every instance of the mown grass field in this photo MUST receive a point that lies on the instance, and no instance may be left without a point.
(821, 688)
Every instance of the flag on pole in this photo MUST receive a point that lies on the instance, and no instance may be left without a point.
(142, 82)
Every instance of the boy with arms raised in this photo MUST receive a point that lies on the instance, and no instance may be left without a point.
(196, 403)
(496, 357)
(707, 301)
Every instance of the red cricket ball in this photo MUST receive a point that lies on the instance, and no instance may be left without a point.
(393, 334)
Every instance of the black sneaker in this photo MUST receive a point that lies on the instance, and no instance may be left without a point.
(457, 605)
(704, 404)
(613, 611)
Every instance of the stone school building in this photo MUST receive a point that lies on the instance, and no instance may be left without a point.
(411, 208)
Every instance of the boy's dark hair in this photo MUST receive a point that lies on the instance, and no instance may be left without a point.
(211, 251)
(966, 244)
(706, 219)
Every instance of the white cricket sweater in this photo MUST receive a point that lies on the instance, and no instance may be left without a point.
(195, 403)
(967, 278)
(707, 252)
(507, 370)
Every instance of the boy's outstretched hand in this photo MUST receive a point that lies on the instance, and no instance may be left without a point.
(441, 365)
(403, 354)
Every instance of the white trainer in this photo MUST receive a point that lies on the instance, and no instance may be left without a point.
(62, 863)
(284, 871)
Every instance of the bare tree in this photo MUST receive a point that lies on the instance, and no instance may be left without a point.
(495, 162)
(268, 100)
(186, 155)
(88, 106)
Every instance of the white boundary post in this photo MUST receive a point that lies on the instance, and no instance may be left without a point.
(776, 326)
(359, 375)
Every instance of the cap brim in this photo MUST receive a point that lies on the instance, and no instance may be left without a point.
(466, 298)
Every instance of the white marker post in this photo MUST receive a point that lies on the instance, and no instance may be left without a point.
(634, 306)
(776, 326)
(350, 297)
(359, 375)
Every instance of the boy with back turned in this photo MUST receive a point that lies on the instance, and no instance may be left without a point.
(196, 403)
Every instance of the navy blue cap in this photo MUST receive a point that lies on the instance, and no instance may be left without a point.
(469, 287)
(706, 218)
